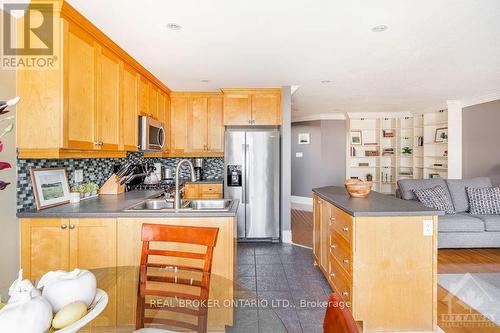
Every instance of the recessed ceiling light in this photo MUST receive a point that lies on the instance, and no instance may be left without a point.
(325, 81)
(205, 81)
(380, 28)
(173, 26)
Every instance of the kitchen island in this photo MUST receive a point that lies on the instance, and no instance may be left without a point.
(103, 233)
(379, 254)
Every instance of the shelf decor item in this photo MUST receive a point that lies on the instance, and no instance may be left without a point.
(356, 138)
(304, 138)
(388, 133)
(369, 177)
(50, 186)
(441, 135)
(406, 151)
(358, 188)
(371, 153)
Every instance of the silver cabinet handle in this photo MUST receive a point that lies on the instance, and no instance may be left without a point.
(332, 274)
(345, 229)
(63, 226)
(72, 226)
(332, 219)
(345, 293)
(333, 246)
(345, 261)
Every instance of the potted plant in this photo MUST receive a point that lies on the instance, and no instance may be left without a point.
(369, 177)
(407, 151)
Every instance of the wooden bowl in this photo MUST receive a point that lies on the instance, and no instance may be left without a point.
(358, 188)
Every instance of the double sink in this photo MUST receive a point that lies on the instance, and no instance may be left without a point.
(161, 203)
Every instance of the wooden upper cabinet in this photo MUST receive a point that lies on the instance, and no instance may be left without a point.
(252, 107)
(130, 108)
(108, 99)
(215, 125)
(266, 109)
(237, 109)
(197, 130)
(143, 96)
(153, 101)
(179, 126)
(167, 120)
(79, 89)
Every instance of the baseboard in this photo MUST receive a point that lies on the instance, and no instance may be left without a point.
(301, 200)
(286, 236)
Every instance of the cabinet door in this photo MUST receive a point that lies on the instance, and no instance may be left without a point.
(168, 123)
(130, 107)
(108, 99)
(44, 246)
(215, 125)
(324, 234)
(161, 106)
(266, 109)
(93, 246)
(237, 109)
(317, 228)
(198, 124)
(79, 89)
(143, 96)
(191, 191)
(180, 106)
(153, 101)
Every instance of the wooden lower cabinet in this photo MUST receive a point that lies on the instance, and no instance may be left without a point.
(111, 248)
(203, 191)
(383, 266)
(66, 244)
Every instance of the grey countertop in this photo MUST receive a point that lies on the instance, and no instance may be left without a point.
(112, 206)
(375, 204)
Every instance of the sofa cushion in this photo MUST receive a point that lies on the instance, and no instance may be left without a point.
(458, 193)
(406, 186)
(460, 223)
(491, 222)
(435, 197)
(484, 200)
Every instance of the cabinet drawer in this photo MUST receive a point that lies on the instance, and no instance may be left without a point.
(342, 283)
(342, 223)
(340, 250)
(210, 188)
(210, 195)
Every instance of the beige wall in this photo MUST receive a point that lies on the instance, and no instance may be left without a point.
(480, 139)
(9, 234)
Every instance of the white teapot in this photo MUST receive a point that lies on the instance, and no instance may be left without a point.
(26, 311)
(61, 288)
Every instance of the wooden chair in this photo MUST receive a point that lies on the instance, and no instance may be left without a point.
(338, 319)
(174, 277)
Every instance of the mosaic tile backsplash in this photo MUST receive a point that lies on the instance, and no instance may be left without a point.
(98, 171)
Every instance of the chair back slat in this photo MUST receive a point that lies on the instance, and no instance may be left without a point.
(179, 234)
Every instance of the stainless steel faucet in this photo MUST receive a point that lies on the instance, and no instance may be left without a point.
(177, 198)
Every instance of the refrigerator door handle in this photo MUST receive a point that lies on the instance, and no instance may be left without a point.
(244, 171)
(247, 173)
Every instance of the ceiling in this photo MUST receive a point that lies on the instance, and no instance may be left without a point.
(433, 51)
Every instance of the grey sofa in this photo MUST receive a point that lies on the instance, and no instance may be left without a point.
(461, 230)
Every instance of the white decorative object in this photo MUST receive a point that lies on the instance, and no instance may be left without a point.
(74, 197)
(26, 311)
(69, 314)
(304, 138)
(61, 288)
(98, 305)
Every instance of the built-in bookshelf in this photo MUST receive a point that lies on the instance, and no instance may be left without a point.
(390, 149)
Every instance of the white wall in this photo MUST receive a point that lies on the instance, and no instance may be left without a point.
(9, 235)
(286, 168)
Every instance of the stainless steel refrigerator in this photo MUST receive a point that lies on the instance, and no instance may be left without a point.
(252, 172)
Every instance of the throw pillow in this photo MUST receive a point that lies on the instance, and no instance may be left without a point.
(484, 200)
(435, 197)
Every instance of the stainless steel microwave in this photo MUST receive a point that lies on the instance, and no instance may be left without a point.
(151, 134)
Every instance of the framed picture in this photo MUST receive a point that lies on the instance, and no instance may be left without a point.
(304, 138)
(50, 186)
(441, 134)
(388, 133)
(356, 138)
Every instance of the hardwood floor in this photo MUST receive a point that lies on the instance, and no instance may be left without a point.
(451, 315)
(449, 307)
(302, 228)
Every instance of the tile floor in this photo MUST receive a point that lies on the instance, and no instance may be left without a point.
(284, 278)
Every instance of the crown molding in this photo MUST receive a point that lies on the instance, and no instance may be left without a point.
(480, 99)
(357, 115)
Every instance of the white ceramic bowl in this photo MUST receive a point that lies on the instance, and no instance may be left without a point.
(98, 305)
